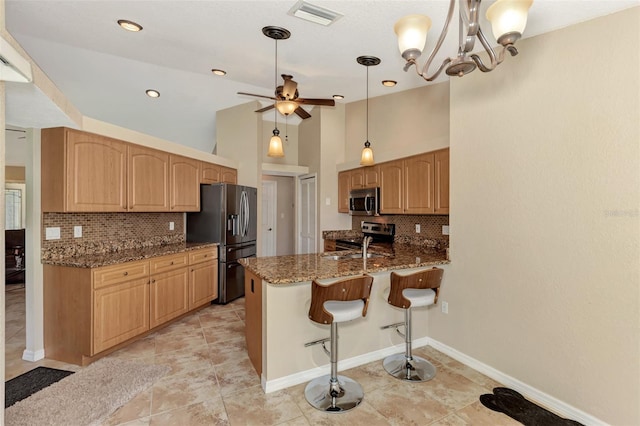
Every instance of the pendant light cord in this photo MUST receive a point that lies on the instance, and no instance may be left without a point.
(367, 103)
(275, 81)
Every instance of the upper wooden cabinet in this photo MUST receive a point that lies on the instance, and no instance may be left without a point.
(344, 187)
(391, 187)
(185, 184)
(209, 173)
(148, 184)
(412, 185)
(441, 181)
(228, 175)
(83, 172)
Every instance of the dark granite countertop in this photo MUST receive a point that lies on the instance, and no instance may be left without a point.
(121, 256)
(307, 267)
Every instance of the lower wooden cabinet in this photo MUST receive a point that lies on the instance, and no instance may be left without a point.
(253, 318)
(88, 311)
(121, 311)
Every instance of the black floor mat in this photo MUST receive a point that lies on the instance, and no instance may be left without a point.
(516, 406)
(31, 382)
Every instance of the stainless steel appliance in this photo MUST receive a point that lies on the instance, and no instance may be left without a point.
(227, 217)
(381, 233)
(364, 202)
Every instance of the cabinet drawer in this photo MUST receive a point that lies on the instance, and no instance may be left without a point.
(168, 263)
(109, 275)
(203, 255)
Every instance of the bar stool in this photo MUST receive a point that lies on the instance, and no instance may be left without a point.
(341, 301)
(412, 291)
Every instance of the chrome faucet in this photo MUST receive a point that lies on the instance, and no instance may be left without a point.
(365, 245)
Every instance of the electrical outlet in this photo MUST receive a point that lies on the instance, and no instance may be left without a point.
(445, 229)
(77, 231)
(52, 233)
(445, 307)
(417, 228)
(172, 226)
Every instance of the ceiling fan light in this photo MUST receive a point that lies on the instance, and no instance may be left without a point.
(275, 145)
(508, 17)
(286, 107)
(412, 35)
(366, 159)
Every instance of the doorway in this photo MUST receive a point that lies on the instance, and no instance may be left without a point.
(278, 215)
(269, 213)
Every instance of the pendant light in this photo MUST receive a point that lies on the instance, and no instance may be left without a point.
(275, 143)
(366, 158)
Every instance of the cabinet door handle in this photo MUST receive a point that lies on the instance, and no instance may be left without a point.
(252, 285)
(153, 281)
(125, 273)
(172, 263)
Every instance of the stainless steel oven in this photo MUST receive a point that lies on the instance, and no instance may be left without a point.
(364, 202)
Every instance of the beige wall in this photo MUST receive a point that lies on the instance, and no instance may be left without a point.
(401, 124)
(14, 174)
(545, 194)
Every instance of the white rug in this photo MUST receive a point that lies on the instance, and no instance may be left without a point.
(87, 397)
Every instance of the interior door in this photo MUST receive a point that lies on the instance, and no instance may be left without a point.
(308, 214)
(269, 212)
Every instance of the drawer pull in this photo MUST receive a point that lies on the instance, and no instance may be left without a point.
(125, 273)
(153, 281)
(172, 263)
(205, 255)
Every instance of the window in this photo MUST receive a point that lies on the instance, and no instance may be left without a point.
(15, 209)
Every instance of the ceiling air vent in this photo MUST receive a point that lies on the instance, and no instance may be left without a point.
(313, 13)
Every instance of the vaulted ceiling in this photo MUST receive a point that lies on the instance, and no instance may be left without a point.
(104, 70)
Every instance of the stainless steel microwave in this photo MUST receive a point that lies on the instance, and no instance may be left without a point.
(364, 202)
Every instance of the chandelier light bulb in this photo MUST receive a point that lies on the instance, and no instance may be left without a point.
(508, 17)
(412, 35)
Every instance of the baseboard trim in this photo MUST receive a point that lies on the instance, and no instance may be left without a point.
(33, 356)
(554, 404)
(308, 375)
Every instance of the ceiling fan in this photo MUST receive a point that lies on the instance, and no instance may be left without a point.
(287, 100)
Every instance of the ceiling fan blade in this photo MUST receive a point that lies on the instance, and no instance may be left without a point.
(324, 102)
(267, 108)
(258, 96)
(302, 113)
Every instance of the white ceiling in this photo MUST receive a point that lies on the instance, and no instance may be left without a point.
(104, 70)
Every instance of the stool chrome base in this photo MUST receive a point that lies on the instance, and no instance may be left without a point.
(413, 370)
(348, 394)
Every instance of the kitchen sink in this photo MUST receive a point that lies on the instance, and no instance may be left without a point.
(350, 256)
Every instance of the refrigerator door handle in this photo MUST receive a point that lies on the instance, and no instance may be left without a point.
(244, 213)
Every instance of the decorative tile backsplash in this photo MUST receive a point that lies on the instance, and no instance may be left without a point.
(110, 232)
(430, 226)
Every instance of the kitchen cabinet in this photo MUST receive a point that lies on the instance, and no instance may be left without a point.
(89, 312)
(185, 184)
(148, 183)
(203, 277)
(83, 172)
(391, 187)
(169, 288)
(209, 173)
(253, 318)
(228, 175)
(418, 184)
(344, 187)
(441, 181)
(329, 245)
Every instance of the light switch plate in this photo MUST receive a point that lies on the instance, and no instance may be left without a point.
(77, 231)
(417, 228)
(172, 226)
(445, 229)
(52, 233)
(327, 201)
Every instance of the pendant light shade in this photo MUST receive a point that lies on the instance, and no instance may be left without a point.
(508, 17)
(366, 159)
(275, 145)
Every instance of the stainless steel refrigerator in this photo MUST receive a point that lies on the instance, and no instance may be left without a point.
(227, 216)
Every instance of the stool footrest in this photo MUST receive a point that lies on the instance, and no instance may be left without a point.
(317, 342)
(396, 325)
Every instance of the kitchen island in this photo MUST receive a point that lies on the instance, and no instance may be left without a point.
(278, 296)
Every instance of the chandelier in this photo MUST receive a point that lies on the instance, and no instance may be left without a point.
(508, 19)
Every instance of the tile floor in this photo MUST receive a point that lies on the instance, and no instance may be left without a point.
(213, 383)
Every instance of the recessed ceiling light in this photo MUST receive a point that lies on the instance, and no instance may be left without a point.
(216, 71)
(338, 96)
(129, 25)
(153, 93)
(389, 83)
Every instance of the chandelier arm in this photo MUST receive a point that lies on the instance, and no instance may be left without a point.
(443, 35)
(437, 73)
(469, 17)
(492, 55)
